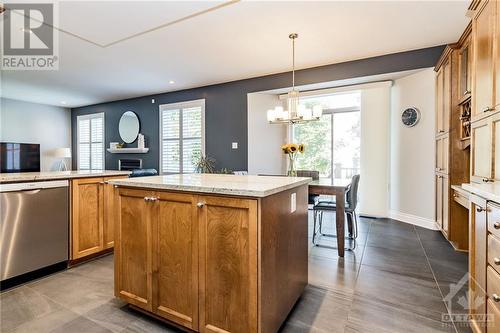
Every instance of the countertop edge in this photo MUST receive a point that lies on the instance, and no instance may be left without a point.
(209, 190)
(26, 178)
(479, 191)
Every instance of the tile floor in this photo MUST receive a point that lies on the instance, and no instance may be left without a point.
(395, 281)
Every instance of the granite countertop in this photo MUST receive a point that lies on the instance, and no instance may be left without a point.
(50, 175)
(249, 186)
(488, 191)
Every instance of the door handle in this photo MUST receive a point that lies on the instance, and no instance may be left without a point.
(487, 109)
(487, 180)
(35, 191)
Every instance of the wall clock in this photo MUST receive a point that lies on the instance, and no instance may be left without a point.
(410, 117)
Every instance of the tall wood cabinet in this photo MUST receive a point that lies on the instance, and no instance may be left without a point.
(91, 216)
(174, 243)
(452, 138)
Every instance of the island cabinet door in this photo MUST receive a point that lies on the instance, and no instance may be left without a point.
(228, 264)
(133, 247)
(86, 216)
(175, 258)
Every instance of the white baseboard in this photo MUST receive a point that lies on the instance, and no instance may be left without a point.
(413, 219)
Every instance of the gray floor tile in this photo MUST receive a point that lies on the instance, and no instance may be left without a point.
(411, 263)
(23, 305)
(414, 294)
(81, 325)
(332, 274)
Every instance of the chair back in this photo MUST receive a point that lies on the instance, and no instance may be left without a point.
(352, 192)
(308, 173)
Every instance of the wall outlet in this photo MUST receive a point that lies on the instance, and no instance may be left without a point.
(293, 202)
(235, 145)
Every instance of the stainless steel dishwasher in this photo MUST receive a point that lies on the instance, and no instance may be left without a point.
(34, 226)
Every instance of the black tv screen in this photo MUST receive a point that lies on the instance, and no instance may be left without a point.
(19, 157)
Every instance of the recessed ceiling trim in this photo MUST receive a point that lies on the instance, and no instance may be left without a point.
(161, 26)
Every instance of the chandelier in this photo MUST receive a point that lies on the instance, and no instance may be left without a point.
(295, 112)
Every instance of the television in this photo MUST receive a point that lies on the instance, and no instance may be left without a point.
(19, 157)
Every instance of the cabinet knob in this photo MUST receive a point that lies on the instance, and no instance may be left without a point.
(480, 209)
(496, 261)
(495, 297)
(200, 204)
(147, 199)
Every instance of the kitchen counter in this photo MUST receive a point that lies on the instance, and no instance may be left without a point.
(53, 175)
(488, 191)
(212, 253)
(248, 186)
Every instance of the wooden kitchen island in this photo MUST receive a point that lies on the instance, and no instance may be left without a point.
(212, 253)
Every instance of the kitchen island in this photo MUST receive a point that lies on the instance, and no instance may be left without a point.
(212, 253)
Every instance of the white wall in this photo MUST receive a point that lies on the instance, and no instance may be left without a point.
(264, 139)
(50, 126)
(374, 181)
(412, 186)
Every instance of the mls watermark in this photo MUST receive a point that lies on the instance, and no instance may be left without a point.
(29, 39)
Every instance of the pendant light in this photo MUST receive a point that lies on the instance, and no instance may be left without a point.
(295, 113)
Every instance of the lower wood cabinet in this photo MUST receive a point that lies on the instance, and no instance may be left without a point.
(442, 195)
(477, 262)
(172, 245)
(91, 216)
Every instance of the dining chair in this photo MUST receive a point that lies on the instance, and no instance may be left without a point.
(331, 206)
(313, 198)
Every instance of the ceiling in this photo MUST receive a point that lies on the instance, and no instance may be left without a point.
(111, 50)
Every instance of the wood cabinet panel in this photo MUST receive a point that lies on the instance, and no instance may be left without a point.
(175, 258)
(442, 154)
(464, 62)
(439, 201)
(446, 186)
(439, 101)
(481, 150)
(495, 145)
(87, 216)
(497, 58)
(477, 259)
(133, 255)
(446, 97)
(494, 252)
(493, 218)
(494, 316)
(228, 265)
(483, 86)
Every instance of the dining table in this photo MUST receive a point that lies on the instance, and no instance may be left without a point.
(334, 187)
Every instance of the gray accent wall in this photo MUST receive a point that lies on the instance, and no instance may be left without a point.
(226, 106)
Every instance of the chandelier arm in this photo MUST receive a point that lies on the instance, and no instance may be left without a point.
(293, 64)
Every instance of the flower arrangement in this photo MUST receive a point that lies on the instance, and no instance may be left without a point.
(291, 149)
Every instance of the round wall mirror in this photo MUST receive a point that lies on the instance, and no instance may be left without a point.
(129, 127)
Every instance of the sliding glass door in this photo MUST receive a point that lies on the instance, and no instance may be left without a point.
(332, 143)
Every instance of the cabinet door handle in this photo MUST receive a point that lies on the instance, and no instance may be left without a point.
(495, 297)
(466, 92)
(487, 109)
(496, 261)
(487, 180)
(496, 225)
(102, 183)
(480, 209)
(155, 198)
(441, 131)
(200, 204)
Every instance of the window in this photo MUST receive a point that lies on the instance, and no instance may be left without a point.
(333, 143)
(182, 136)
(90, 139)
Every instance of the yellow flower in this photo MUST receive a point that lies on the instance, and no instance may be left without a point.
(302, 148)
(293, 148)
(284, 148)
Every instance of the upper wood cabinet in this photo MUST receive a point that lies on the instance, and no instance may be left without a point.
(483, 27)
(464, 63)
(92, 216)
(443, 97)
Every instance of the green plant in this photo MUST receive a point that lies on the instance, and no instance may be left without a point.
(204, 164)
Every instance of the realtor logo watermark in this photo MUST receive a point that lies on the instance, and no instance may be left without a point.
(29, 40)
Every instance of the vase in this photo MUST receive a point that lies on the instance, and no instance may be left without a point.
(291, 167)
